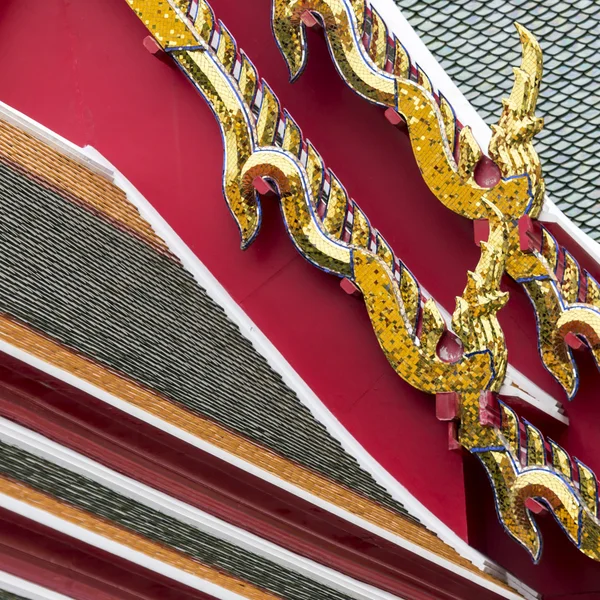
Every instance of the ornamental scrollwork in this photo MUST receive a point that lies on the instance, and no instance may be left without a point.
(263, 146)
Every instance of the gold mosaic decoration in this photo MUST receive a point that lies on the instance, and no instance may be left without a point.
(263, 145)
(560, 294)
(450, 180)
(522, 466)
(325, 225)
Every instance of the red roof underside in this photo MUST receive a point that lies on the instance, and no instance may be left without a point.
(51, 559)
(79, 67)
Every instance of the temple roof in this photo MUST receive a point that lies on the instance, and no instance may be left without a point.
(92, 290)
(137, 311)
(476, 43)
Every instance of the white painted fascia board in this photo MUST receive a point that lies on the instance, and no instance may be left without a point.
(467, 114)
(38, 445)
(280, 365)
(26, 589)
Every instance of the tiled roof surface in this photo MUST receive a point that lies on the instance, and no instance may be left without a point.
(84, 493)
(4, 595)
(91, 274)
(477, 44)
(111, 297)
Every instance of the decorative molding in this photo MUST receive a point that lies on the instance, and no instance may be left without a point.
(38, 445)
(26, 589)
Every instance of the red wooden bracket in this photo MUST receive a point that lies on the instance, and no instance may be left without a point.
(446, 406)
(153, 47)
(349, 287)
(453, 443)
(530, 234)
(395, 118)
(489, 415)
(573, 341)
(481, 231)
(535, 507)
(263, 187)
(309, 20)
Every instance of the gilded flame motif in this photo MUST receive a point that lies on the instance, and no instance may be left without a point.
(263, 145)
(523, 466)
(565, 299)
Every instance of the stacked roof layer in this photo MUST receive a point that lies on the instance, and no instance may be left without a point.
(476, 43)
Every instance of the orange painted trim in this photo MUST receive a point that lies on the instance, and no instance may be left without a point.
(79, 184)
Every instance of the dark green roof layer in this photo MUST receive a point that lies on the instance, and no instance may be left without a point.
(97, 289)
(476, 43)
(4, 595)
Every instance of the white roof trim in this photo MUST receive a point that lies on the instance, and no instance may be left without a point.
(280, 365)
(26, 589)
(465, 112)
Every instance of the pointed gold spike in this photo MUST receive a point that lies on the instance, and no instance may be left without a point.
(384, 251)
(560, 460)
(268, 117)
(337, 205)
(361, 231)
(569, 286)
(227, 49)
(510, 429)
(469, 153)
(588, 487)
(292, 138)
(248, 80)
(378, 44)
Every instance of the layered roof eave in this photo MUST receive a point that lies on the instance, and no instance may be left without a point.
(92, 160)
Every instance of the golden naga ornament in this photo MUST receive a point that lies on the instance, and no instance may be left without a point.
(522, 466)
(264, 146)
(374, 63)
